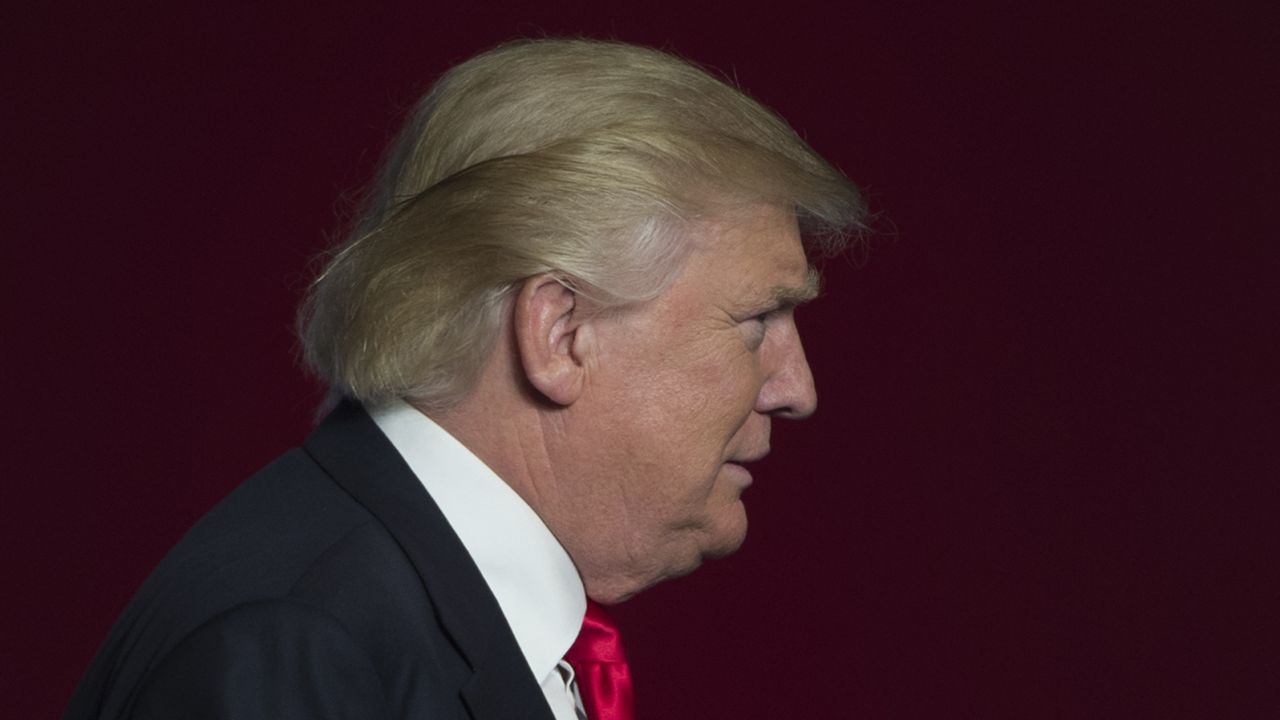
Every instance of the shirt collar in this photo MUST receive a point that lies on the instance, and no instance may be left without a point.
(529, 573)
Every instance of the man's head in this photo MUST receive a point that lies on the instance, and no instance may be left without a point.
(596, 247)
(661, 404)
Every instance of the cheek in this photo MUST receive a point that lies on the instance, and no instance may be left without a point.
(707, 406)
(684, 407)
(730, 389)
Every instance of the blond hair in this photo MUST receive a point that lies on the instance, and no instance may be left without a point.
(583, 158)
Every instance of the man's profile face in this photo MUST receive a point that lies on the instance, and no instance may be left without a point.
(684, 393)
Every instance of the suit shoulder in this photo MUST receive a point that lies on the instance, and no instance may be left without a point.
(280, 657)
(253, 545)
(263, 535)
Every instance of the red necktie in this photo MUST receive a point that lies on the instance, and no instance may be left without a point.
(600, 667)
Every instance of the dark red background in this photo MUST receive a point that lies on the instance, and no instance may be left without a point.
(1040, 482)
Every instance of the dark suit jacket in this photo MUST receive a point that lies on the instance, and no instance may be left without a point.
(328, 585)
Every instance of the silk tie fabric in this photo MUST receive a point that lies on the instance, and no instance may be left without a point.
(600, 666)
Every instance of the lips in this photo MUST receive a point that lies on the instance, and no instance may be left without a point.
(739, 474)
(749, 457)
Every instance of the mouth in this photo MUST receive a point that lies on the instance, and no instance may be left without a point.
(738, 474)
(736, 466)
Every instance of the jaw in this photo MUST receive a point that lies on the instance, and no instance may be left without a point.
(683, 551)
(620, 588)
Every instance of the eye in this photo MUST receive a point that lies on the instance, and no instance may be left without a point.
(756, 325)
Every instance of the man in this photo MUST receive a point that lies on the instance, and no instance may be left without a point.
(555, 337)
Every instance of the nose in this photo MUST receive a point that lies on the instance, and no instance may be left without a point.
(788, 390)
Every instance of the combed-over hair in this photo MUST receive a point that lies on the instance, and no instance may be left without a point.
(579, 157)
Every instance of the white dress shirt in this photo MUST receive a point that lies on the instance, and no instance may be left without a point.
(530, 574)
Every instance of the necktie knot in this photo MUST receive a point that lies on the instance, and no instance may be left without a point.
(600, 666)
(599, 641)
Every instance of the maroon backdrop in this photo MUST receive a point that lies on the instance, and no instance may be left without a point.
(1039, 484)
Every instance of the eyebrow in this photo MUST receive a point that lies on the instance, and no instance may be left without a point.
(791, 296)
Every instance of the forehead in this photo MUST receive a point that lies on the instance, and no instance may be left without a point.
(753, 255)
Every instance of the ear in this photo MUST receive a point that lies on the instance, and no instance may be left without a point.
(550, 337)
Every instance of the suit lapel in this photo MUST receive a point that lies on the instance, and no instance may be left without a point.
(488, 698)
(355, 453)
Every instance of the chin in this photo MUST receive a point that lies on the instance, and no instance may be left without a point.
(726, 548)
(730, 536)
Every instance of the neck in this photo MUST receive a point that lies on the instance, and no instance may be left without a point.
(523, 439)
(507, 436)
